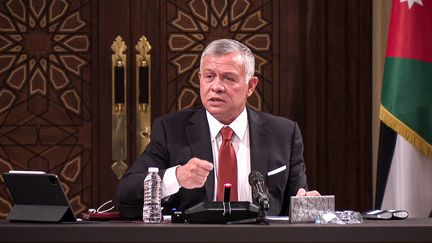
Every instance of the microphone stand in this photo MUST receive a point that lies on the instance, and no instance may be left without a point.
(226, 204)
(226, 201)
(262, 212)
(260, 195)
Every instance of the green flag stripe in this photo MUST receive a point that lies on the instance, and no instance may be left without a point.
(406, 132)
(407, 94)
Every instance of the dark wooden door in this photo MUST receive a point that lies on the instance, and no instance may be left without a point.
(313, 62)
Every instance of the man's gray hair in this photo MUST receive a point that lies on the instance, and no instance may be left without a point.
(225, 46)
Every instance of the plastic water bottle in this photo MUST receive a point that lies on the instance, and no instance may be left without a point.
(152, 197)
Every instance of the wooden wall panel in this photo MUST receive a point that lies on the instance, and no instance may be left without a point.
(316, 71)
(46, 85)
(314, 61)
(326, 78)
(188, 26)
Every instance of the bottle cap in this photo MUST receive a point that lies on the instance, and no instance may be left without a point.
(153, 169)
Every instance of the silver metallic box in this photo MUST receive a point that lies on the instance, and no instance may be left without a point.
(307, 209)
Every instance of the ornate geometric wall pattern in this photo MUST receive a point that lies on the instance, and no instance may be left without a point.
(45, 93)
(191, 25)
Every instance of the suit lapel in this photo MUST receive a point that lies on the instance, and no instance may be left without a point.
(198, 133)
(259, 142)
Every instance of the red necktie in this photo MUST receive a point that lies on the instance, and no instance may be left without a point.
(227, 166)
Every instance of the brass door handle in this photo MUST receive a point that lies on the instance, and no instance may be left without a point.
(143, 91)
(145, 134)
(119, 105)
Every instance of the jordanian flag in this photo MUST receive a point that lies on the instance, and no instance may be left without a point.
(405, 154)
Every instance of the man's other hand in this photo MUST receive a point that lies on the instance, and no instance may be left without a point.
(303, 193)
(194, 173)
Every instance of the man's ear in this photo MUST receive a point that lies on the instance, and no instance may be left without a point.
(252, 85)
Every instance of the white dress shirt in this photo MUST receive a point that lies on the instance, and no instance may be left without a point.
(241, 144)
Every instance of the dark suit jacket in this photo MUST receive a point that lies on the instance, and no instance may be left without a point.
(177, 137)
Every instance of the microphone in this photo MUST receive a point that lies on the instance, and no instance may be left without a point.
(227, 192)
(226, 201)
(259, 190)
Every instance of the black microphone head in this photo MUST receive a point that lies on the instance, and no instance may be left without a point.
(255, 177)
(259, 190)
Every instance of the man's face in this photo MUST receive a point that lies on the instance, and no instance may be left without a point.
(223, 87)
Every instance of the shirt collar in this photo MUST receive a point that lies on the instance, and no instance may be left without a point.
(239, 125)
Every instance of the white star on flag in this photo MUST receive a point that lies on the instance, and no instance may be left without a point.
(411, 2)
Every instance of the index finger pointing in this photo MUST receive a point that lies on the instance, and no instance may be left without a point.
(205, 165)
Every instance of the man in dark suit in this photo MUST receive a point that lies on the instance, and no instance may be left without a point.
(186, 145)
